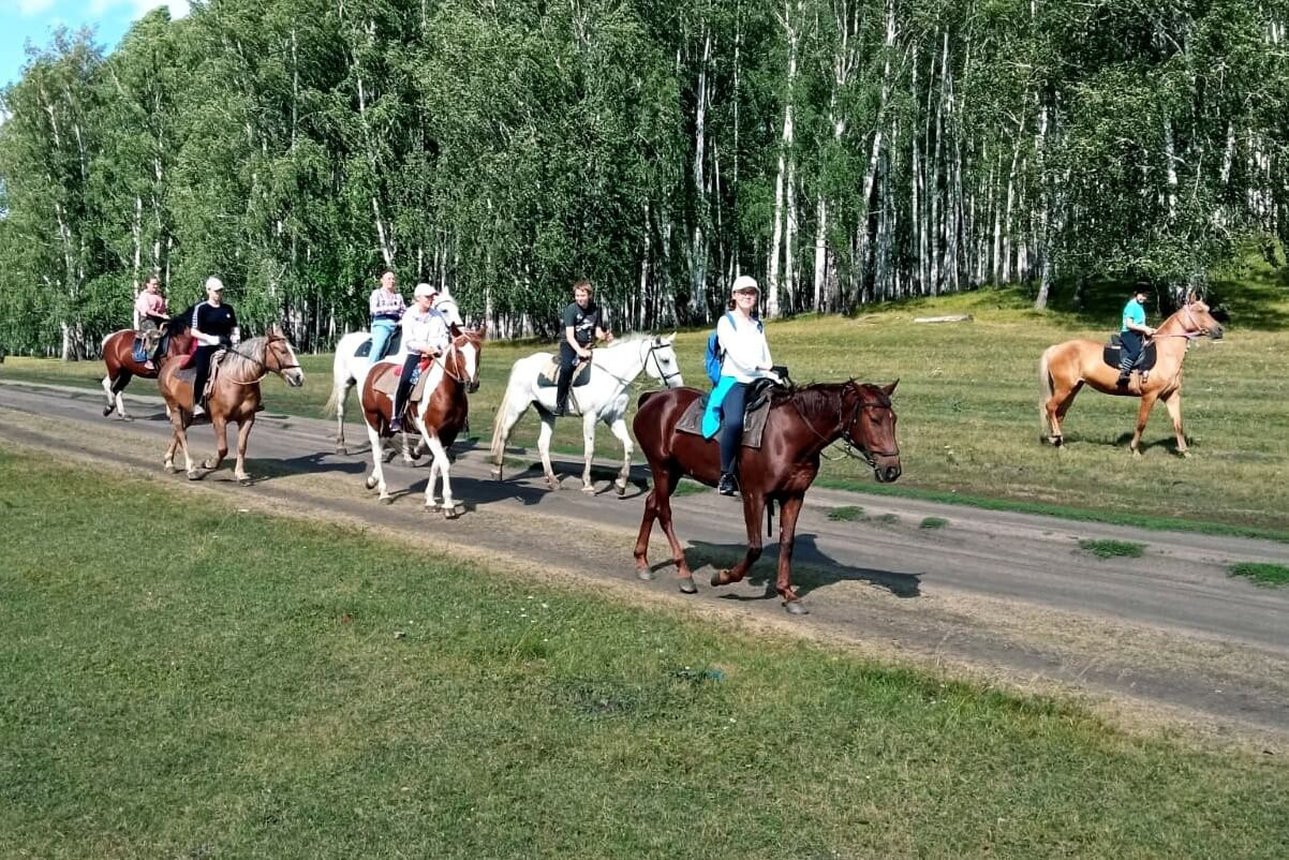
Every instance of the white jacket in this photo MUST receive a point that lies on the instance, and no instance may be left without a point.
(745, 348)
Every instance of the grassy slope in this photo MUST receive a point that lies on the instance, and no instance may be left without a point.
(243, 691)
(968, 405)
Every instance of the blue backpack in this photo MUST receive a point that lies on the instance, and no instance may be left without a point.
(716, 355)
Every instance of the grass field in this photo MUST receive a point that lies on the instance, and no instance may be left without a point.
(186, 680)
(968, 407)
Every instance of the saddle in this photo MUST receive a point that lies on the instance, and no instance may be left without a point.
(387, 383)
(756, 411)
(1145, 360)
(187, 374)
(391, 346)
(145, 341)
(549, 377)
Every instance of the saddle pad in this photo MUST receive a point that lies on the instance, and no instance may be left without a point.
(387, 383)
(549, 377)
(418, 387)
(753, 423)
(1145, 361)
(391, 346)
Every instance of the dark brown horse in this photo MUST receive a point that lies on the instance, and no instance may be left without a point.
(437, 418)
(118, 355)
(1066, 367)
(234, 397)
(802, 422)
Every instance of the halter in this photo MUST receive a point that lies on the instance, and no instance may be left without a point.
(655, 344)
(442, 360)
(849, 448)
(1189, 333)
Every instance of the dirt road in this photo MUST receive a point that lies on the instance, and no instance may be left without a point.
(1166, 637)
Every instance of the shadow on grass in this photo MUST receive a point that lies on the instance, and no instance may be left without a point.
(812, 568)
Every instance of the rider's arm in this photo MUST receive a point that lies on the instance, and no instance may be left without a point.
(570, 335)
(749, 354)
(195, 324)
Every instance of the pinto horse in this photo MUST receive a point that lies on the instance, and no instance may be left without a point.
(1065, 367)
(118, 355)
(801, 423)
(234, 396)
(438, 416)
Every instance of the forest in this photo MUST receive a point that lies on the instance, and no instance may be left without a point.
(843, 152)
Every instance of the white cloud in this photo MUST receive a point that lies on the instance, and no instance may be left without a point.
(33, 7)
(136, 8)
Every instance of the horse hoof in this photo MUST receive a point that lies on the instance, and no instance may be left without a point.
(451, 513)
(795, 607)
(1057, 441)
(107, 410)
(341, 449)
(496, 473)
(245, 480)
(194, 475)
(370, 483)
(644, 574)
(387, 500)
(125, 417)
(621, 487)
(588, 489)
(552, 484)
(1185, 454)
(687, 585)
(718, 578)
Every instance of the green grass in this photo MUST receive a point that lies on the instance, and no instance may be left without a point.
(1112, 548)
(1261, 573)
(968, 407)
(184, 679)
(933, 523)
(846, 513)
(688, 487)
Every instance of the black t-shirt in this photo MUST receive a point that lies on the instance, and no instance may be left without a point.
(584, 322)
(208, 319)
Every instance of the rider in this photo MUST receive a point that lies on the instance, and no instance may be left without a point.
(747, 358)
(214, 327)
(583, 325)
(151, 309)
(387, 308)
(425, 334)
(1132, 334)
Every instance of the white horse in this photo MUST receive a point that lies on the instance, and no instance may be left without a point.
(348, 369)
(604, 398)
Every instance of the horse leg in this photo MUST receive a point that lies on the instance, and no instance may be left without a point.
(658, 506)
(169, 462)
(111, 395)
(588, 451)
(1174, 403)
(753, 512)
(1143, 414)
(243, 436)
(118, 388)
(443, 464)
(376, 480)
(619, 428)
(220, 426)
(342, 394)
(544, 448)
(789, 510)
(181, 438)
(1057, 405)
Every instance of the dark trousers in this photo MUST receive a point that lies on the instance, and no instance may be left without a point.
(1130, 349)
(405, 383)
(201, 361)
(732, 408)
(567, 361)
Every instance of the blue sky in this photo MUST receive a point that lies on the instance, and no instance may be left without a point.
(34, 21)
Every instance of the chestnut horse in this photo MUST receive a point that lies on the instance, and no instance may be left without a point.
(802, 422)
(118, 355)
(1065, 367)
(234, 396)
(438, 417)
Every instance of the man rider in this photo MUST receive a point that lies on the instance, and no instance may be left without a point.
(582, 324)
(214, 326)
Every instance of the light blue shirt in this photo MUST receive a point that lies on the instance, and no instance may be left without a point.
(1133, 312)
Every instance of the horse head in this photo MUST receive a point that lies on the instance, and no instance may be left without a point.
(661, 362)
(279, 357)
(467, 346)
(1196, 318)
(871, 429)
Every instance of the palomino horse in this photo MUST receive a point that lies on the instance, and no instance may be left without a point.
(349, 368)
(438, 417)
(801, 423)
(1065, 367)
(603, 398)
(118, 355)
(234, 396)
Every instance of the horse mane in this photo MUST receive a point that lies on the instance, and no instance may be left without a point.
(822, 395)
(247, 358)
(176, 325)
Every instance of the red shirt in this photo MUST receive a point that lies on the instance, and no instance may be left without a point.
(150, 304)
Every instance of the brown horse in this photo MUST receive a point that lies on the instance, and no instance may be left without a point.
(1065, 367)
(118, 355)
(802, 422)
(438, 417)
(234, 396)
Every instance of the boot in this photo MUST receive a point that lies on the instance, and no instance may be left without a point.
(1125, 372)
(727, 486)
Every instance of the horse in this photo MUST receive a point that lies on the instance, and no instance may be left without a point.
(800, 424)
(234, 396)
(118, 355)
(603, 398)
(348, 368)
(1065, 367)
(438, 417)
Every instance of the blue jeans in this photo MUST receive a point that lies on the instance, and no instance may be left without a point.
(732, 408)
(381, 332)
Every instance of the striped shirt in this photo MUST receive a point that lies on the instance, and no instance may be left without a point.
(386, 306)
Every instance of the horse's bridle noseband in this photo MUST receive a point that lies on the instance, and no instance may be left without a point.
(869, 457)
(268, 340)
(654, 346)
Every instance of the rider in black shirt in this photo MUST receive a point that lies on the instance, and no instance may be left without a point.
(214, 325)
(582, 325)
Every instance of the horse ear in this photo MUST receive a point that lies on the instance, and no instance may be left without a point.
(671, 338)
(890, 389)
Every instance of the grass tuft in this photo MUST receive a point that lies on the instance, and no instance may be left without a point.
(933, 523)
(1261, 573)
(1112, 548)
(846, 513)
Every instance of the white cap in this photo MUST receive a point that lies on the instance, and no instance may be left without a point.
(214, 283)
(745, 282)
(424, 289)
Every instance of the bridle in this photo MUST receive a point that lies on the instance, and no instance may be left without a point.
(655, 345)
(269, 340)
(849, 448)
(1189, 333)
(442, 360)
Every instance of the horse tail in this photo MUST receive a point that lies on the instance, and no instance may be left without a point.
(1045, 389)
(334, 400)
(498, 424)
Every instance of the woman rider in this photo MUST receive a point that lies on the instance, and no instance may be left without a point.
(746, 359)
(1132, 334)
(425, 333)
(387, 307)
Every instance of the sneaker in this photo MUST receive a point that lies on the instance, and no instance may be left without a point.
(149, 366)
(396, 426)
(559, 412)
(198, 410)
(727, 486)
(1122, 382)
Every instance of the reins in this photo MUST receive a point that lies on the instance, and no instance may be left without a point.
(264, 367)
(848, 447)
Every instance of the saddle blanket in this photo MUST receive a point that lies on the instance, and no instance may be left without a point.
(387, 383)
(753, 423)
(391, 346)
(1145, 361)
(549, 377)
